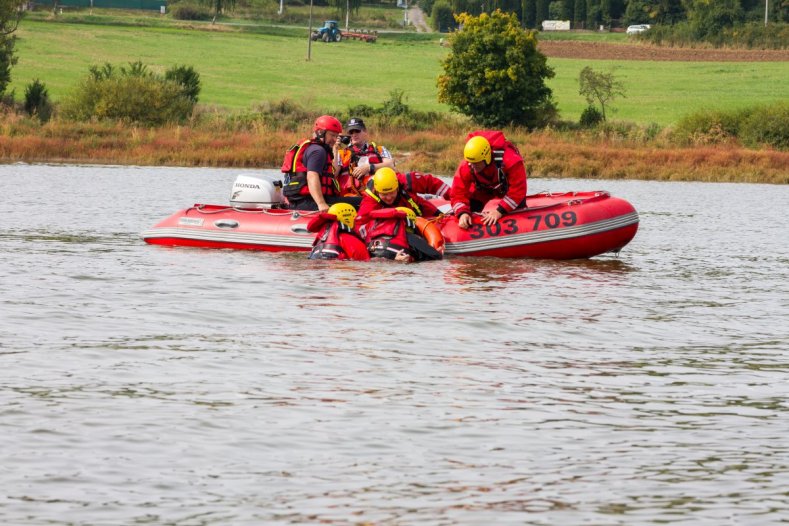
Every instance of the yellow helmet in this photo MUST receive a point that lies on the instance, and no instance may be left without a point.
(345, 213)
(477, 149)
(408, 212)
(385, 180)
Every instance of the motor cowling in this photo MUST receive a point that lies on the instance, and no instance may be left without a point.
(253, 192)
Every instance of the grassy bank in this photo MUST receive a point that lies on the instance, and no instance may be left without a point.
(240, 69)
(246, 65)
(546, 153)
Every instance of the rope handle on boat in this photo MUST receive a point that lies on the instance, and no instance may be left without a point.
(269, 211)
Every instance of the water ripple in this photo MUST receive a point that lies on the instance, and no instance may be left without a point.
(146, 385)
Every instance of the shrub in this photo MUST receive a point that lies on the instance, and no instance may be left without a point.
(394, 105)
(749, 35)
(361, 110)
(755, 127)
(37, 103)
(766, 126)
(590, 117)
(187, 78)
(706, 127)
(190, 12)
(136, 69)
(285, 114)
(133, 95)
(394, 113)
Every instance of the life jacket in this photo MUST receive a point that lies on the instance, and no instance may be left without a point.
(498, 144)
(350, 156)
(401, 194)
(295, 180)
(327, 244)
(387, 236)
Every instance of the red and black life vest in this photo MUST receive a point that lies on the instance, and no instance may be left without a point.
(387, 236)
(328, 245)
(370, 151)
(295, 184)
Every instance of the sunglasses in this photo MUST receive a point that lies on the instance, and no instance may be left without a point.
(354, 131)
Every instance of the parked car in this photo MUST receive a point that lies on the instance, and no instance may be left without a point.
(637, 28)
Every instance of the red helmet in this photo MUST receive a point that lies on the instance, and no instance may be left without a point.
(327, 122)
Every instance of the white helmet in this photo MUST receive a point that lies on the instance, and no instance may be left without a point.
(252, 192)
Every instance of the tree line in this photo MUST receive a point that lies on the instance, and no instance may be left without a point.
(590, 14)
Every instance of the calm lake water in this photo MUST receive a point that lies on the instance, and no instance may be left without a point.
(150, 385)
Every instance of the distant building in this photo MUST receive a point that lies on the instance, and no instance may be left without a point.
(555, 25)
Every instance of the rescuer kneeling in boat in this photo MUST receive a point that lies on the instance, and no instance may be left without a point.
(310, 182)
(492, 168)
(336, 237)
(384, 221)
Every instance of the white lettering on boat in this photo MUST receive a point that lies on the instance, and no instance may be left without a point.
(190, 221)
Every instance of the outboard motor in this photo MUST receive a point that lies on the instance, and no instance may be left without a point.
(253, 192)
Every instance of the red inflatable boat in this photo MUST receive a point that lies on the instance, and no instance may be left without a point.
(568, 225)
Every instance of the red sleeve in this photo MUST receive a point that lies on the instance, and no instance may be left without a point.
(354, 247)
(516, 192)
(460, 195)
(386, 213)
(363, 216)
(428, 184)
(428, 208)
(319, 220)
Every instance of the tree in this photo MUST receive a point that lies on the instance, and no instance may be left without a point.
(543, 12)
(219, 6)
(348, 6)
(10, 15)
(667, 11)
(579, 15)
(709, 18)
(599, 87)
(495, 74)
(592, 13)
(37, 103)
(529, 13)
(605, 12)
(441, 16)
(187, 78)
(568, 6)
(637, 12)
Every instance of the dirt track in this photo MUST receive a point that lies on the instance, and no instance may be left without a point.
(607, 51)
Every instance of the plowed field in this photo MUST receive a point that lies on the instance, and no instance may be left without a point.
(607, 51)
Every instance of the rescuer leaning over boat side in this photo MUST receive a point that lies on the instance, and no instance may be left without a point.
(492, 168)
(384, 225)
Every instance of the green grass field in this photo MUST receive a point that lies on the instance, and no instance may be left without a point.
(241, 68)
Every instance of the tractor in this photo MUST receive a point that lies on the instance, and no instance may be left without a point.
(330, 32)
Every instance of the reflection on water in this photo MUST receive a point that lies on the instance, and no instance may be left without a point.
(143, 384)
(493, 271)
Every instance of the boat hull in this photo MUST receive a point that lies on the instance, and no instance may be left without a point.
(554, 226)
